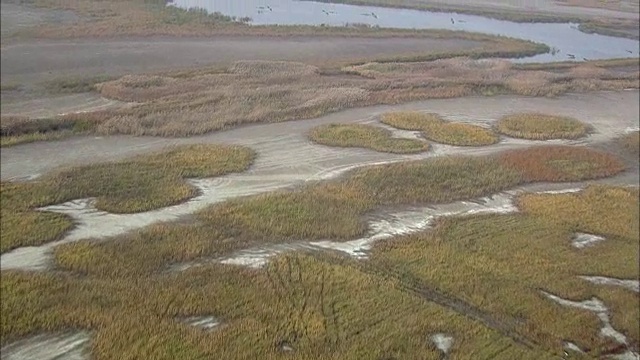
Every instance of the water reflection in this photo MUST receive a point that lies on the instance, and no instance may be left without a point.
(567, 42)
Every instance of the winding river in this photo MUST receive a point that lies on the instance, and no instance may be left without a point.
(565, 39)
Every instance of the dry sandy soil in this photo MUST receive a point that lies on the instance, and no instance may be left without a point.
(38, 61)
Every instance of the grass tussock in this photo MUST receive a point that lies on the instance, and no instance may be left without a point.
(365, 136)
(139, 184)
(16, 130)
(435, 128)
(537, 126)
(499, 264)
(561, 163)
(631, 142)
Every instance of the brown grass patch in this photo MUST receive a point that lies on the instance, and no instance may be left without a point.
(561, 163)
(204, 100)
(16, 130)
(631, 142)
(435, 128)
(537, 126)
(365, 136)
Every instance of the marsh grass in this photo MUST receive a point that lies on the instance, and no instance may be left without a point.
(203, 100)
(327, 210)
(322, 308)
(327, 307)
(16, 130)
(538, 126)
(139, 184)
(74, 84)
(561, 163)
(435, 128)
(631, 142)
(501, 262)
(179, 106)
(9, 87)
(365, 136)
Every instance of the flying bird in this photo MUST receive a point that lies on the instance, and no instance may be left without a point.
(571, 56)
(630, 52)
(374, 15)
(453, 22)
(325, 11)
(270, 9)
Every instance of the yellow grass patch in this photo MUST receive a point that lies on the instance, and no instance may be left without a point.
(365, 136)
(435, 128)
(537, 126)
(501, 263)
(138, 184)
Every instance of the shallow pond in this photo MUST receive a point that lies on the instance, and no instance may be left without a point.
(564, 37)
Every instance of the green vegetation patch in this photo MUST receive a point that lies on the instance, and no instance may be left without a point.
(437, 129)
(138, 184)
(365, 136)
(537, 126)
(500, 264)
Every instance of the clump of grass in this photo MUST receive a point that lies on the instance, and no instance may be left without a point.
(631, 142)
(537, 126)
(138, 184)
(75, 84)
(9, 87)
(21, 226)
(435, 128)
(561, 163)
(499, 263)
(16, 130)
(365, 136)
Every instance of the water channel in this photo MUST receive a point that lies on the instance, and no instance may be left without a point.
(569, 42)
